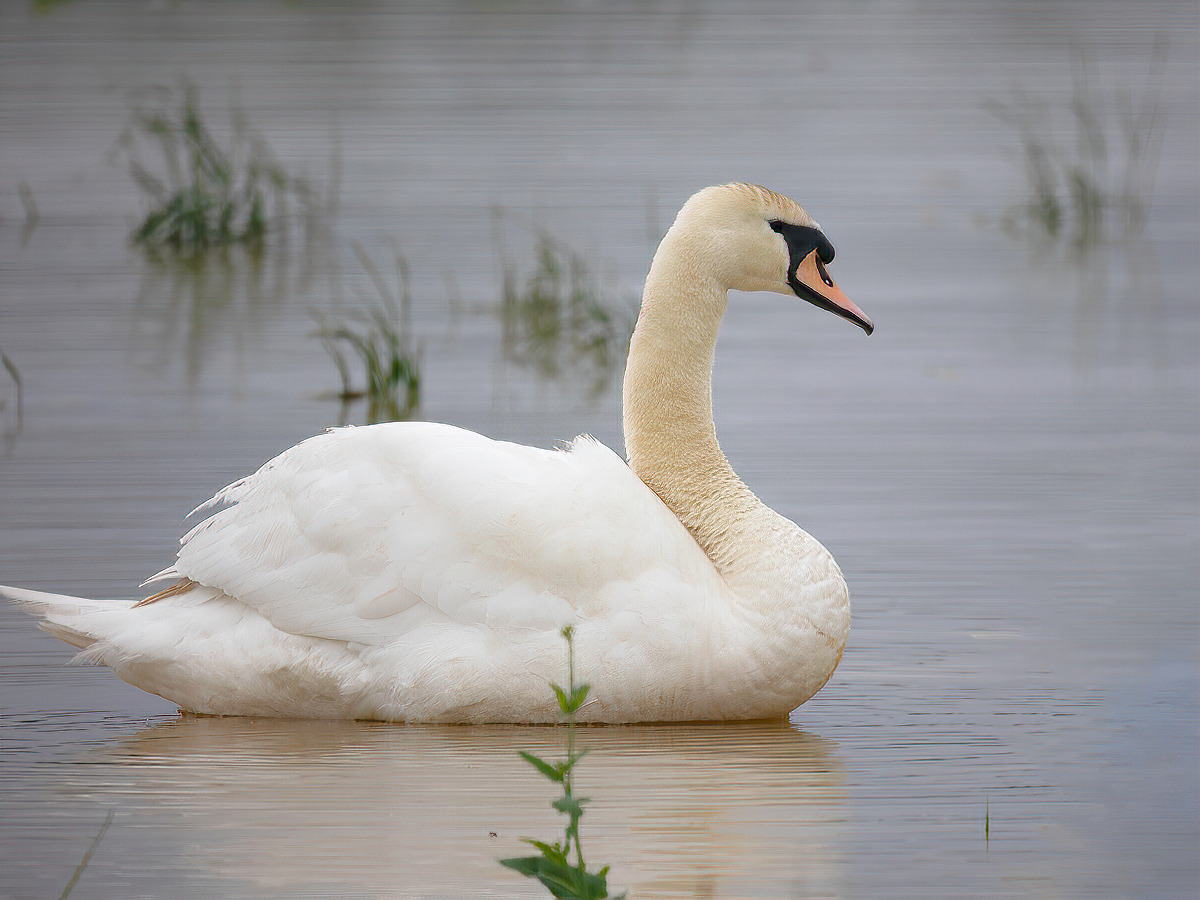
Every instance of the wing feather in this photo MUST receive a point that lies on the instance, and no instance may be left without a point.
(362, 534)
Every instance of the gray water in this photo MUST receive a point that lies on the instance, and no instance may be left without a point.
(1007, 470)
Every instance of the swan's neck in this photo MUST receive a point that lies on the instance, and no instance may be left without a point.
(669, 433)
(782, 578)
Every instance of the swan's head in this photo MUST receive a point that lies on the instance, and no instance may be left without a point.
(756, 240)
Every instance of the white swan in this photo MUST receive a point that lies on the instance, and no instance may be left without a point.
(419, 572)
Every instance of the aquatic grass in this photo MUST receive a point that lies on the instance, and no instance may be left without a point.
(378, 333)
(553, 865)
(1102, 177)
(557, 318)
(29, 205)
(11, 431)
(15, 374)
(205, 195)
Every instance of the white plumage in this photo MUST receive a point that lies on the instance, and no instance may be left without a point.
(420, 572)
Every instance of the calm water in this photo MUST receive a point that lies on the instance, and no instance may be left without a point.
(1007, 470)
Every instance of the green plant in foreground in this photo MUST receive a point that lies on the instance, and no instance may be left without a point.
(552, 866)
(205, 195)
(381, 342)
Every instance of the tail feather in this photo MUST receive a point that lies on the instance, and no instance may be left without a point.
(60, 615)
(66, 633)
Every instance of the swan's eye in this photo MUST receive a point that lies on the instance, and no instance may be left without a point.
(803, 240)
(821, 269)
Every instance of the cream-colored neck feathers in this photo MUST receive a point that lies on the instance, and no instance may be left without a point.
(669, 433)
(720, 240)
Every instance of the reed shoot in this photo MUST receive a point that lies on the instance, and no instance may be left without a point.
(202, 194)
(1100, 178)
(11, 431)
(378, 334)
(560, 865)
(557, 319)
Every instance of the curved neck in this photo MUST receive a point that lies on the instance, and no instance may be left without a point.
(780, 577)
(670, 438)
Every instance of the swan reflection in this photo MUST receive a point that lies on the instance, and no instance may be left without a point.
(678, 811)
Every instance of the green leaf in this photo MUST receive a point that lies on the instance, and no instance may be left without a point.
(570, 806)
(526, 865)
(563, 881)
(555, 851)
(579, 696)
(553, 772)
(569, 703)
(564, 702)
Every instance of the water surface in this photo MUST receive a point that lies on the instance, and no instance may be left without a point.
(1007, 470)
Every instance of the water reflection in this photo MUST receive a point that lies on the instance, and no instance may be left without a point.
(188, 307)
(1107, 298)
(1009, 499)
(408, 811)
(230, 236)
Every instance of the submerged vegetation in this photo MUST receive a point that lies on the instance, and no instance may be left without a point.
(1097, 177)
(215, 199)
(202, 194)
(557, 318)
(553, 865)
(11, 430)
(29, 204)
(378, 333)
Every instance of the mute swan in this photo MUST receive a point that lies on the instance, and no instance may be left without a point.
(418, 572)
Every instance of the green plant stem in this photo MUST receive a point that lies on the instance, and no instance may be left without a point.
(87, 857)
(207, 195)
(383, 346)
(573, 829)
(553, 867)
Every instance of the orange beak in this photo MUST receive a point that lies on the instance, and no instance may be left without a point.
(812, 283)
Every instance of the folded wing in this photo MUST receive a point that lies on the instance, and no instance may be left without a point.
(366, 535)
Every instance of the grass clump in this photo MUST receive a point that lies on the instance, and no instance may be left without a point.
(378, 334)
(204, 195)
(557, 319)
(1097, 175)
(553, 865)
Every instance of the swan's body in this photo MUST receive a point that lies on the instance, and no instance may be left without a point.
(419, 572)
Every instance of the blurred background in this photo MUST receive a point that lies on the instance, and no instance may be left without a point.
(226, 226)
